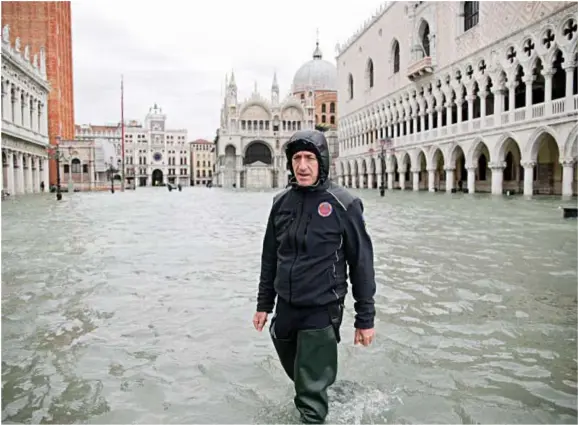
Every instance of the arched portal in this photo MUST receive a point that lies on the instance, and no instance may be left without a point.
(395, 170)
(229, 178)
(364, 175)
(481, 160)
(423, 174)
(513, 179)
(406, 169)
(157, 177)
(548, 171)
(373, 173)
(438, 162)
(458, 161)
(258, 172)
(4, 171)
(258, 151)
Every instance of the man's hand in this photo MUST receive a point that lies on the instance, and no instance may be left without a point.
(364, 336)
(259, 320)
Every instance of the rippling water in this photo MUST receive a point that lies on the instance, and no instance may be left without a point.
(137, 307)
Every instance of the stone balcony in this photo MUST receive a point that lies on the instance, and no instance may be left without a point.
(420, 68)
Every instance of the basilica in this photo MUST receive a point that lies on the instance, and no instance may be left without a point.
(472, 96)
(253, 132)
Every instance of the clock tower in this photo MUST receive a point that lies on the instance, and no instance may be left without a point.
(155, 119)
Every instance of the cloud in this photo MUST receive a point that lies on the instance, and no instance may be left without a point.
(177, 53)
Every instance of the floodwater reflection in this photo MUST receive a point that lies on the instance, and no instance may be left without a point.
(137, 307)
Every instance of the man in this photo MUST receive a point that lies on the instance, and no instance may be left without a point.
(315, 227)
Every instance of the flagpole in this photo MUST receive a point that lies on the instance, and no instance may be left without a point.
(122, 130)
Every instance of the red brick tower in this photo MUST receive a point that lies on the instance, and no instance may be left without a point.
(48, 25)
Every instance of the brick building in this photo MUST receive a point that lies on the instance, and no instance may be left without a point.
(48, 24)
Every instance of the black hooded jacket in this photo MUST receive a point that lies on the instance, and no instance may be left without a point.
(312, 233)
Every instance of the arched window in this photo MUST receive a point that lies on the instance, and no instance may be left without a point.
(350, 86)
(332, 119)
(332, 107)
(369, 71)
(323, 108)
(75, 165)
(471, 14)
(395, 53)
(424, 34)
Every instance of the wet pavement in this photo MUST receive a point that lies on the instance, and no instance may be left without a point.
(137, 307)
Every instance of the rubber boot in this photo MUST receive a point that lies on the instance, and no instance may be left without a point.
(315, 371)
(286, 350)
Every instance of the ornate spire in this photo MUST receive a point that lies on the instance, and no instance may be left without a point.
(317, 52)
(275, 85)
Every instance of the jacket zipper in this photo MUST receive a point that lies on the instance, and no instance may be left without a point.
(296, 255)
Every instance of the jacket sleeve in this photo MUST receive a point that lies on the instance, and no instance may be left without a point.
(359, 256)
(266, 295)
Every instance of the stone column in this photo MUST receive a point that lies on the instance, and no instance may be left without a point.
(450, 173)
(17, 119)
(340, 180)
(569, 68)
(29, 181)
(471, 179)
(528, 177)
(370, 181)
(498, 177)
(431, 179)
(6, 101)
(567, 175)
(498, 104)
(26, 112)
(482, 96)
(401, 172)
(10, 186)
(390, 180)
(415, 175)
(528, 80)
(45, 171)
(37, 175)
(379, 180)
(20, 173)
(422, 121)
(548, 74)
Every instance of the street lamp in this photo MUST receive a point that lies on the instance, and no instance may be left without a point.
(54, 153)
(382, 157)
(111, 170)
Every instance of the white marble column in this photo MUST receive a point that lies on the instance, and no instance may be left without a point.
(567, 176)
(26, 112)
(37, 174)
(471, 179)
(379, 180)
(238, 179)
(431, 179)
(548, 73)
(390, 180)
(528, 177)
(370, 181)
(401, 174)
(570, 70)
(498, 178)
(450, 177)
(415, 177)
(29, 181)
(20, 173)
(10, 187)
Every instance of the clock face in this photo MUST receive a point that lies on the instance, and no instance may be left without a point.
(157, 156)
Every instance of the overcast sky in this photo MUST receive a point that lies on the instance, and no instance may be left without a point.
(178, 55)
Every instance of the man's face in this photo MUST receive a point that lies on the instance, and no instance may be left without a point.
(306, 168)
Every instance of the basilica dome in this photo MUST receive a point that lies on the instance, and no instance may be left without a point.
(317, 74)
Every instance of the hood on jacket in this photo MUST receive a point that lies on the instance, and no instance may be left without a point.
(312, 141)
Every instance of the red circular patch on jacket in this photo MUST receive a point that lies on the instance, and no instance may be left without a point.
(325, 209)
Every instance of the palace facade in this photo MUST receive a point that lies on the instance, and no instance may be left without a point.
(481, 96)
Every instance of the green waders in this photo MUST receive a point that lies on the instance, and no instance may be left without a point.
(309, 357)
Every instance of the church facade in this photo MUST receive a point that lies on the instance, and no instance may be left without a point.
(253, 133)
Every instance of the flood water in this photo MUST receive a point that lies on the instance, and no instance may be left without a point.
(137, 308)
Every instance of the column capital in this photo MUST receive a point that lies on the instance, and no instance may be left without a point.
(449, 169)
(471, 167)
(528, 164)
(567, 162)
(416, 170)
(432, 170)
(500, 165)
(568, 66)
